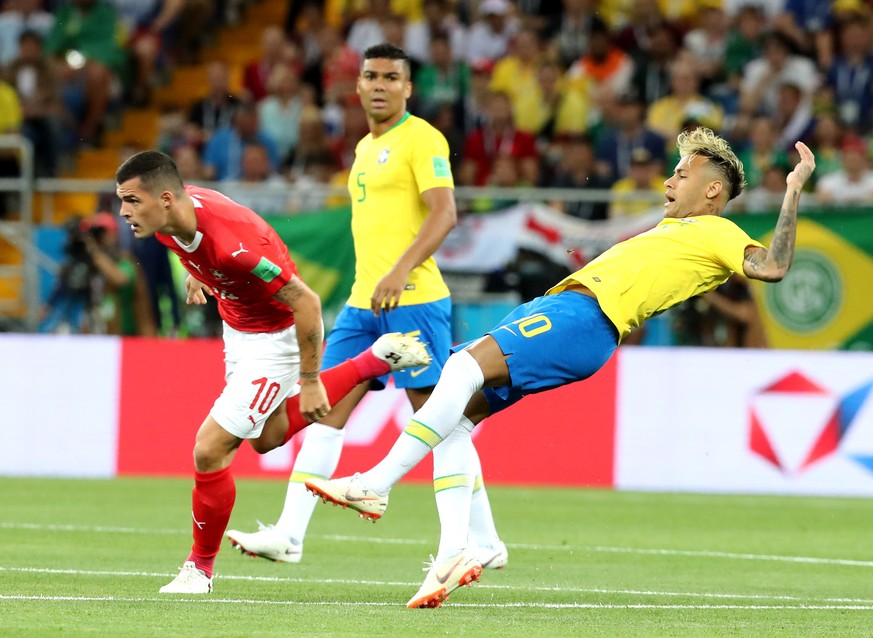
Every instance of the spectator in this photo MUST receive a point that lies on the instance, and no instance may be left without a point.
(852, 185)
(761, 152)
(68, 309)
(827, 137)
(475, 107)
(793, 119)
(216, 109)
(275, 51)
(438, 18)
(684, 101)
(311, 144)
(574, 33)
(630, 132)
(850, 78)
(16, 17)
(335, 74)
(445, 120)
(441, 80)
(491, 34)
(516, 74)
(651, 77)
(504, 174)
(224, 151)
(354, 129)
(634, 34)
(280, 112)
(643, 177)
(84, 39)
(551, 107)
(190, 164)
(10, 122)
(726, 317)
(605, 71)
(34, 78)
(767, 196)
(121, 304)
(577, 171)
(154, 28)
(745, 42)
(807, 24)
(259, 186)
(759, 92)
(309, 191)
(366, 30)
(498, 136)
(708, 42)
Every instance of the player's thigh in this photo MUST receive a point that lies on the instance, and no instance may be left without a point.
(214, 447)
(555, 340)
(262, 370)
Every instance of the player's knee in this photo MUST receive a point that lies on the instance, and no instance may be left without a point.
(209, 458)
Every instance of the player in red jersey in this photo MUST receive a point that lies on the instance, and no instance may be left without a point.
(273, 337)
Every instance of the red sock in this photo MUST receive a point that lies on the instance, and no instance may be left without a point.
(338, 382)
(211, 503)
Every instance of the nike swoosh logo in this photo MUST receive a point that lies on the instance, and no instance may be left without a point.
(442, 579)
(355, 499)
(418, 371)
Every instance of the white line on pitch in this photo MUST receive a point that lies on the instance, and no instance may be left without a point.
(345, 603)
(408, 541)
(516, 587)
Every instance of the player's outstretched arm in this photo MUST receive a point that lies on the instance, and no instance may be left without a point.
(773, 264)
(310, 335)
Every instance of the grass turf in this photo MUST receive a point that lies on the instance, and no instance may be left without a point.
(86, 558)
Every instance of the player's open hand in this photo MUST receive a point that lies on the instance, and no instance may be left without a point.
(196, 291)
(797, 178)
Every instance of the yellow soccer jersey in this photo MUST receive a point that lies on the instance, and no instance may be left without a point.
(676, 260)
(386, 181)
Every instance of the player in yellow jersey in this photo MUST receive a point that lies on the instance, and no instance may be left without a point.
(403, 207)
(570, 332)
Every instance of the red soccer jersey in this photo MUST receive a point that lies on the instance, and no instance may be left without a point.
(239, 256)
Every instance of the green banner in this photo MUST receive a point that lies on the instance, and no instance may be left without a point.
(826, 300)
(321, 244)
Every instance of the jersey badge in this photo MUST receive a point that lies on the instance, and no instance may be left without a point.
(383, 156)
(220, 276)
(266, 270)
(441, 167)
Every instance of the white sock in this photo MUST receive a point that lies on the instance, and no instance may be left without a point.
(483, 532)
(318, 457)
(461, 378)
(453, 487)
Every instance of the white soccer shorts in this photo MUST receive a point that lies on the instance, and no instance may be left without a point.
(261, 370)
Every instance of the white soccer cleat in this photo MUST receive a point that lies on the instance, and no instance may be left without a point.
(189, 581)
(350, 491)
(492, 556)
(445, 577)
(267, 542)
(401, 351)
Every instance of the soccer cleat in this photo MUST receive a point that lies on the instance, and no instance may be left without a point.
(350, 491)
(190, 580)
(492, 556)
(445, 577)
(267, 542)
(401, 351)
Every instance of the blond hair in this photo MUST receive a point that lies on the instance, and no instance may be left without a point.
(702, 141)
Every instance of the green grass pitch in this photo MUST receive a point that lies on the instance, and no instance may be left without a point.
(86, 558)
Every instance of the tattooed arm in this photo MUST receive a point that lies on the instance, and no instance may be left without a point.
(310, 335)
(773, 264)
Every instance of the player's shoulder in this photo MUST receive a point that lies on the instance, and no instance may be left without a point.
(417, 126)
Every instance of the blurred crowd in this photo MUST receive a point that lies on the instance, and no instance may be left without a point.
(578, 94)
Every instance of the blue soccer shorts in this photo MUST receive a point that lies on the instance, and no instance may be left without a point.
(549, 342)
(356, 329)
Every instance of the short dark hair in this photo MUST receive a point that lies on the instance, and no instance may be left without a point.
(388, 51)
(156, 171)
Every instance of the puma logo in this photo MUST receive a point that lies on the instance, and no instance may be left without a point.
(239, 252)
